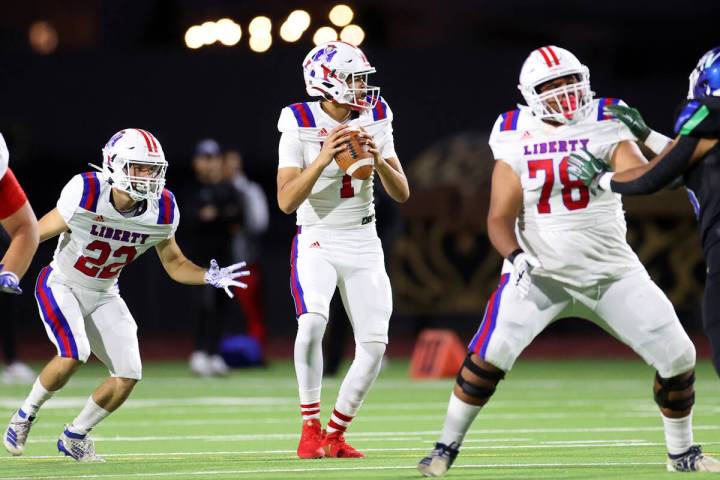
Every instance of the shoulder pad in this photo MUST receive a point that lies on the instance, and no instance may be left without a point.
(699, 118)
(603, 102)
(90, 191)
(166, 208)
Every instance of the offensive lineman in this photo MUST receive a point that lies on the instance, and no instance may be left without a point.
(18, 220)
(105, 221)
(336, 245)
(566, 255)
(695, 155)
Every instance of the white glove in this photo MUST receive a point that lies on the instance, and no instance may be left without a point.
(225, 277)
(523, 265)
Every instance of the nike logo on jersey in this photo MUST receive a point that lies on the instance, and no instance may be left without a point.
(555, 146)
(117, 234)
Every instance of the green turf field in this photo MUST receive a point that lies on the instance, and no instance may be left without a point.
(549, 420)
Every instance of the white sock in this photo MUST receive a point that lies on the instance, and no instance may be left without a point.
(309, 363)
(678, 434)
(89, 416)
(38, 395)
(460, 416)
(360, 377)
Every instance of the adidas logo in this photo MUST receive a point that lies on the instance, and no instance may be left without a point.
(99, 218)
(323, 132)
(315, 245)
(526, 134)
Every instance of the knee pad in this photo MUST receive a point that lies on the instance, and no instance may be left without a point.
(371, 352)
(477, 390)
(311, 327)
(675, 393)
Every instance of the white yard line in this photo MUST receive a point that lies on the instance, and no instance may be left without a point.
(209, 473)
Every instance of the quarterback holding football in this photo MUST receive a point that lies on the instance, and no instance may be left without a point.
(326, 175)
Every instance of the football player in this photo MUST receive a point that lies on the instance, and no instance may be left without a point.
(105, 221)
(695, 156)
(336, 245)
(566, 255)
(18, 220)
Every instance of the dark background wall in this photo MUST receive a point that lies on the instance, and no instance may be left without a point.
(445, 68)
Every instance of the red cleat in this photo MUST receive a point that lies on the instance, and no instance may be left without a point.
(311, 439)
(335, 446)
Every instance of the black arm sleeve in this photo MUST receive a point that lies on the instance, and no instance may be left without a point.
(672, 165)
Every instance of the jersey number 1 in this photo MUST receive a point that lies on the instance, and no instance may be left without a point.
(543, 206)
(347, 191)
(94, 266)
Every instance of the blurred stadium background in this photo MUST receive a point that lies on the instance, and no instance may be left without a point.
(73, 73)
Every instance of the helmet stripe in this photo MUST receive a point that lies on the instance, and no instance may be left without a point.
(152, 139)
(552, 53)
(547, 59)
(147, 139)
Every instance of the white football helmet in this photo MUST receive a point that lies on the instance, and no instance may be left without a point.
(130, 149)
(338, 71)
(567, 104)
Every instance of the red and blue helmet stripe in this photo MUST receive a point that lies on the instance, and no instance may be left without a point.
(303, 115)
(604, 102)
(166, 207)
(91, 191)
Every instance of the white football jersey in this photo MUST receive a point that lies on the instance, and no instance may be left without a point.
(336, 199)
(4, 157)
(100, 241)
(578, 237)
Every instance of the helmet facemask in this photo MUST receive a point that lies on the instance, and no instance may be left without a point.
(566, 104)
(359, 94)
(123, 175)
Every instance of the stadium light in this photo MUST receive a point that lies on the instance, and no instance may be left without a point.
(259, 26)
(260, 43)
(352, 34)
(324, 34)
(209, 32)
(295, 25)
(341, 15)
(228, 32)
(43, 37)
(194, 37)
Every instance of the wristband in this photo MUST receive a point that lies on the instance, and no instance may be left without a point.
(604, 181)
(513, 254)
(656, 142)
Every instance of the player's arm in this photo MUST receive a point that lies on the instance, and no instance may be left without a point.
(18, 220)
(182, 270)
(505, 203)
(22, 227)
(295, 184)
(391, 175)
(51, 225)
(661, 170)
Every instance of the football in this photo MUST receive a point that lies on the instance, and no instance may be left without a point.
(355, 160)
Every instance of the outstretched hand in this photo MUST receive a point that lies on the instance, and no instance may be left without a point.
(632, 119)
(226, 277)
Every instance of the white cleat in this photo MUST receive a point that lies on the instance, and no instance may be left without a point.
(200, 364)
(439, 461)
(77, 446)
(218, 365)
(692, 461)
(17, 432)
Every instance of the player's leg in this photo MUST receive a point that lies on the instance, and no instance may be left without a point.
(640, 315)
(63, 320)
(508, 326)
(367, 296)
(112, 333)
(313, 280)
